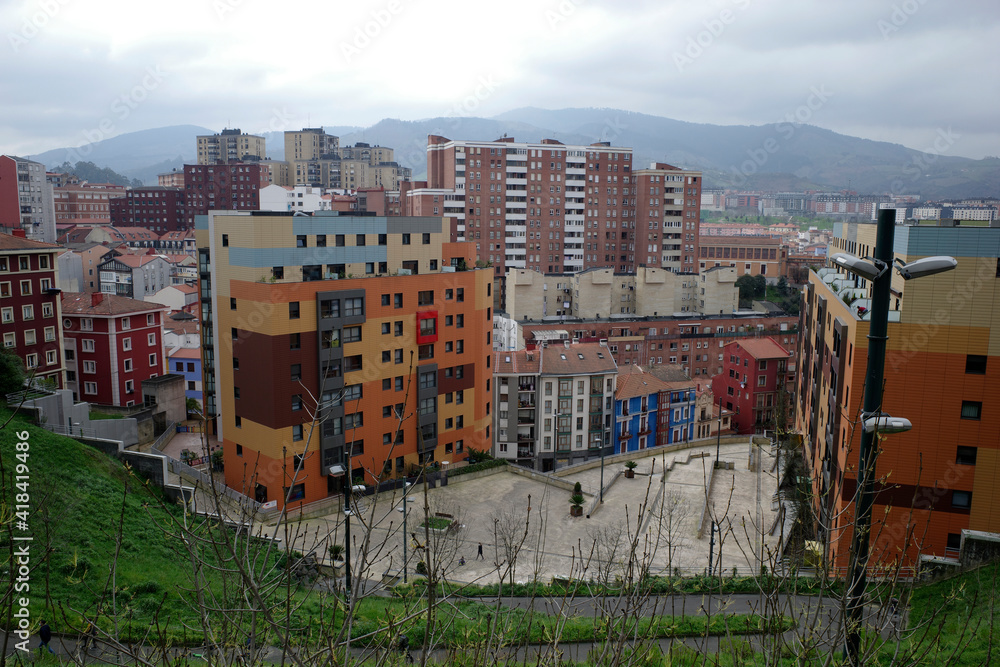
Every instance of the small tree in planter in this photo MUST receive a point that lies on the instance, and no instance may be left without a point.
(217, 461)
(576, 504)
(630, 467)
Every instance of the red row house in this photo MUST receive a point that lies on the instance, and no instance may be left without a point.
(222, 187)
(155, 208)
(112, 344)
(29, 305)
(755, 373)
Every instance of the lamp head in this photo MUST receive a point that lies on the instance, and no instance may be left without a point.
(927, 266)
(884, 423)
(859, 266)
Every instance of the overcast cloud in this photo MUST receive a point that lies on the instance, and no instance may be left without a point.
(75, 71)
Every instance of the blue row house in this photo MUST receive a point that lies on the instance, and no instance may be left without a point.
(653, 408)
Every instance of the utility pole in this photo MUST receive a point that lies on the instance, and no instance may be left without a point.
(347, 521)
(711, 549)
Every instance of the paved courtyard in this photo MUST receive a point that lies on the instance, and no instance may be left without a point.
(662, 523)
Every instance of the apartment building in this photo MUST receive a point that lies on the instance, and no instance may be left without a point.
(695, 343)
(134, 276)
(222, 187)
(593, 293)
(347, 346)
(754, 380)
(556, 208)
(317, 159)
(749, 255)
(230, 146)
(85, 203)
(112, 344)
(29, 304)
(158, 209)
(941, 366)
(651, 411)
(554, 405)
(26, 199)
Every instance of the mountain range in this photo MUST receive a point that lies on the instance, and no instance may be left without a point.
(778, 157)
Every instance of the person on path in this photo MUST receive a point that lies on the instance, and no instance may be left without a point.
(45, 634)
(404, 648)
(479, 554)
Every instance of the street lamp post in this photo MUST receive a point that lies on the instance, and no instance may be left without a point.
(404, 508)
(347, 521)
(879, 273)
(718, 435)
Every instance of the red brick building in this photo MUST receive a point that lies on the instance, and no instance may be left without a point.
(222, 187)
(157, 209)
(29, 305)
(753, 255)
(85, 203)
(754, 372)
(112, 344)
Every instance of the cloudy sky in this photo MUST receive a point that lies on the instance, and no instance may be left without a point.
(74, 71)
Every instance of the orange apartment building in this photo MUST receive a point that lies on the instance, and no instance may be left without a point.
(370, 324)
(753, 255)
(942, 364)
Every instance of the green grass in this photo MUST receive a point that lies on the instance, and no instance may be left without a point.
(959, 615)
(436, 523)
(104, 415)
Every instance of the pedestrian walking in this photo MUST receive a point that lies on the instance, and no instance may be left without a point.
(45, 634)
(404, 648)
(479, 554)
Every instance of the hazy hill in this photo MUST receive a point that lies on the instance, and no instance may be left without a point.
(778, 156)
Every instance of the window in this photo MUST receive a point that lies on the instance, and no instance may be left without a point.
(10, 339)
(232, 303)
(7, 315)
(152, 360)
(293, 310)
(300, 241)
(460, 322)
(460, 346)
(359, 239)
(449, 320)
(25, 287)
(972, 409)
(383, 239)
(449, 294)
(27, 312)
(126, 343)
(151, 319)
(399, 383)
(386, 384)
(449, 346)
(427, 239)
(354, 420)
(397, 356)
(761, 380)
(294, 341)
(236, 392)
(4, 289)
(90, 387)
(352, 392)
(406, 239)
(127, 365)
(425, 351)
(385, 299)
(296, 372)
(90, 367)
(351, 334)
(425, 298)
(966, 456)
(129, 386)
(50, 334)
(975, 364)
(126, 323)
(386, 356)
(961, 499)
(151, 339)
(428, 379)
(385, 328)
(397, 329)
(428, 327)
(296, 402)
(297, 435)
(278, 272)
(239, 424)
(50, 357)
(353, 363)
(339, 240)
(354, 307)
(460, 296)
(321, 240)
(87, 345)
(428, 405)
(397, 300)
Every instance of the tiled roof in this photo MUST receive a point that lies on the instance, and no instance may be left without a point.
(523, 361)
(671, 374)
(763, 348)
(632, 381)
(181, 328)
(135, 261)
(81, 303)
(186, 353)
(577, 359)
(11, 242)
(134, 233)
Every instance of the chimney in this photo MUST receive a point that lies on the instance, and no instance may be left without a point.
(19, 233)
(96, 298)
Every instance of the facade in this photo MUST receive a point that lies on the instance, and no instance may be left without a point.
(749, 255)
(85, 203)
(171, 179)
(298, 198)
(230, 146)
(227, 187)
(134, 276)
(186, 361)
(636, 410)
(553, 208)
(26, 200)
(554, 405)
(676, 405)
(112, 345)
(158, 209)
(710, 418)
(649, 292)
(29, 305)
(317, 159)
(941, 367)
(754, 378)
(365, 315)
(695, 343)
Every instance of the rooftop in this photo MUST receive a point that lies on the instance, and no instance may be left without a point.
(633, 382)
(9, 242)
(763, 348)
(82, 303)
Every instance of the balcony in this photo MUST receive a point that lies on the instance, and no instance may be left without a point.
(525, 452)
(525, 439)
(624, 435)
(526, 387)
(525, 405)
